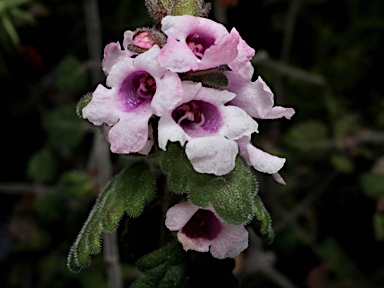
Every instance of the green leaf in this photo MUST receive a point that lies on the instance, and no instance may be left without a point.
(42, 166)
(378, 226)
(372, 185)
(231, 195)
(74, 184)
(10, 29)
(71, 75)
(265, 222)
(142, 185)
(342, 163)
(163, 268)
(63, 126)
(127, 192)
(308, 137)
(178, 168)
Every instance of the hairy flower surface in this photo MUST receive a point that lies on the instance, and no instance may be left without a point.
(208, 126)
(196, 43)
(200, 229)
(140, 87)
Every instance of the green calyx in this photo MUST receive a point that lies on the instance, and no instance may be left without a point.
(190, 7)
(84, 101)
(158, 9)
(212, 78)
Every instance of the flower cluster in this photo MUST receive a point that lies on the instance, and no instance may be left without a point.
(194, 78)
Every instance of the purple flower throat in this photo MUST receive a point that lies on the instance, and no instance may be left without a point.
(203, 224)
(198, 43)
(136, 89)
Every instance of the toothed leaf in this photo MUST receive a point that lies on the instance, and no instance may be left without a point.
(231, 195)
(264, 220)
(127, 192)
(162, 268)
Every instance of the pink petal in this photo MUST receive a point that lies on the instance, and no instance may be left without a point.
(180, 27)
(236, 123)
(222, 52)
(179, 215)
(177, 57)
(254, 97)
(242, 64)
(263, 161)
(279, 112)
(213, 96)
(147, 61)
(112, 55)
(169, 130)
(230, 243)
(214, 154)
(130, 134)
(128, 38)
(169, 93)
(102, 107)
(197, 244)
(278, 178)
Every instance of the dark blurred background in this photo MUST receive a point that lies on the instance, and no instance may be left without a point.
(322, 57)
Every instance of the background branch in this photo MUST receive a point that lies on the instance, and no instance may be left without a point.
(100, 155)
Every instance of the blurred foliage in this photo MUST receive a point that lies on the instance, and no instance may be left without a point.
(328, 219)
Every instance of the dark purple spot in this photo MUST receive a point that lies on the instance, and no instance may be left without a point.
(203, 224)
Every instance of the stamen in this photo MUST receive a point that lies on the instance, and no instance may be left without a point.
(188, 115)
(202, 121)
(147, 87)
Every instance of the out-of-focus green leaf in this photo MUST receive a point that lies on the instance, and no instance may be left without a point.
(10, 29)
(378, 226)
(70, 75)
(63, 126)
(42, 166)
(74, 184)
(342, 163)
(309, 138)
(372, 185)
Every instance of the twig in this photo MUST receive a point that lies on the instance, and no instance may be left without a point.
(260, 261)
(100, 155)
(23, 188)
(262, 59)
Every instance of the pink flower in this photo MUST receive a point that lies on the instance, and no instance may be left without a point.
(140, 87)
(196, 43)
(256, 98)
(209, 127)
(200, 229)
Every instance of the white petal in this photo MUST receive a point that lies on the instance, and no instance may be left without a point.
(236, 123)
(263, 161)
(230, 242)
(179, 215)
(214, 154)
(169, 130)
